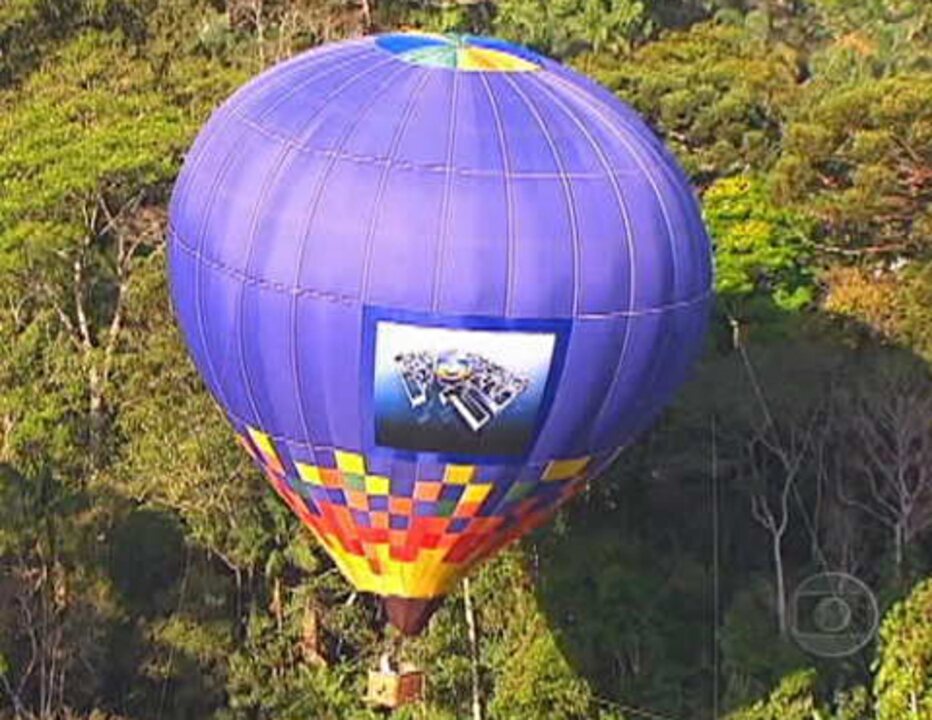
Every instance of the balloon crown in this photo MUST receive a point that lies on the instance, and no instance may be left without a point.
(470, 53)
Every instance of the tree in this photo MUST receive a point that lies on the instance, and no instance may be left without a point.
(884, 420)
(794, 699)
(717, 96)
(763, 252)
(857, 157)
(774, 461)
(902, 685)
(86, 140)
(568, 27)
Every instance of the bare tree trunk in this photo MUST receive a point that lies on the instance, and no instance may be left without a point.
(366, 16)
(257, 11)
(96, 419)
(780, 575)
(97, 345)
(473, 636)
(898, 548)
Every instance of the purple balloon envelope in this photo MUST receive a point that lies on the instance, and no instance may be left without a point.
(436, 283)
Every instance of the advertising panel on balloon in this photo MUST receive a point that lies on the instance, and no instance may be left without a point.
(436, 283)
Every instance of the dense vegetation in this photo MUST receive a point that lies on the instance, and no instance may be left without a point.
(147, 572)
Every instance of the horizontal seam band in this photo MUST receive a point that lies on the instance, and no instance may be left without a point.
(330, 296)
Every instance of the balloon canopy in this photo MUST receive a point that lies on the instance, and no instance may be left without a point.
(436, 283)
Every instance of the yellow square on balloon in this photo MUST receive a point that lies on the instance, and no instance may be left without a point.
(459, 474)
(377, 485)
(475, 493)
(309, 473)
(565, 469)
(349, 462)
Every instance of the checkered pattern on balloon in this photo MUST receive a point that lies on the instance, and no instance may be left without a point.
(408, 528)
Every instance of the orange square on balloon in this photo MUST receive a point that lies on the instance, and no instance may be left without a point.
(357, 499)
(428, 490)
(400, 505)
(433, 525)
(331, 478)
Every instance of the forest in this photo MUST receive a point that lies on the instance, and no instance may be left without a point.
(148, 572)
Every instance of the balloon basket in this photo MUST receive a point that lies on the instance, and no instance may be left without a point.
(393, 689)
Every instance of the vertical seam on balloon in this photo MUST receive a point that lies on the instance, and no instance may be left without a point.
(294, 89)
(272, 174)
(231, 107)
(568, 195)
(407, 113)
(284, 153)
(208, 207)
(629, 238)
(238, 98)
(612, 178)
(305, 231)
(598, 108)
(202, 231)
(446, 204)
(509, 196)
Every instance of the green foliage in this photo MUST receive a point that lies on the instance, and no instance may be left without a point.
(541, 684)
(754, 656)
(91, 122)
(717, 96)
(533, 678)
(917, 309)
(859, 158)
(564, 28)
(761, 251)
(853, 705)
(877, 36)
(644, 654)
(793, 699)
(26, 29)
(41, 393)
(443, 17)
(902, 684)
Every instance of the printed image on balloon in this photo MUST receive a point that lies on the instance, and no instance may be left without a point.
(459, 390)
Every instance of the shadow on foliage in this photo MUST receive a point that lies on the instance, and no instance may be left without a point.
(92, 593)
(627, 575)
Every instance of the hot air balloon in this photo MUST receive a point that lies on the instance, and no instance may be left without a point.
(436, 283)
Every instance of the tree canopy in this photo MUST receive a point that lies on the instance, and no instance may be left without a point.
(147, 571)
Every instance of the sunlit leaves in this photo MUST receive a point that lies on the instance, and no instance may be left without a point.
(567, 27)
(715, 95)
(90, 122)
(904, 667)
(859, 157)
(759, 247)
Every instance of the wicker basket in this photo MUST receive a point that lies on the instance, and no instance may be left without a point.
(394, 689)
